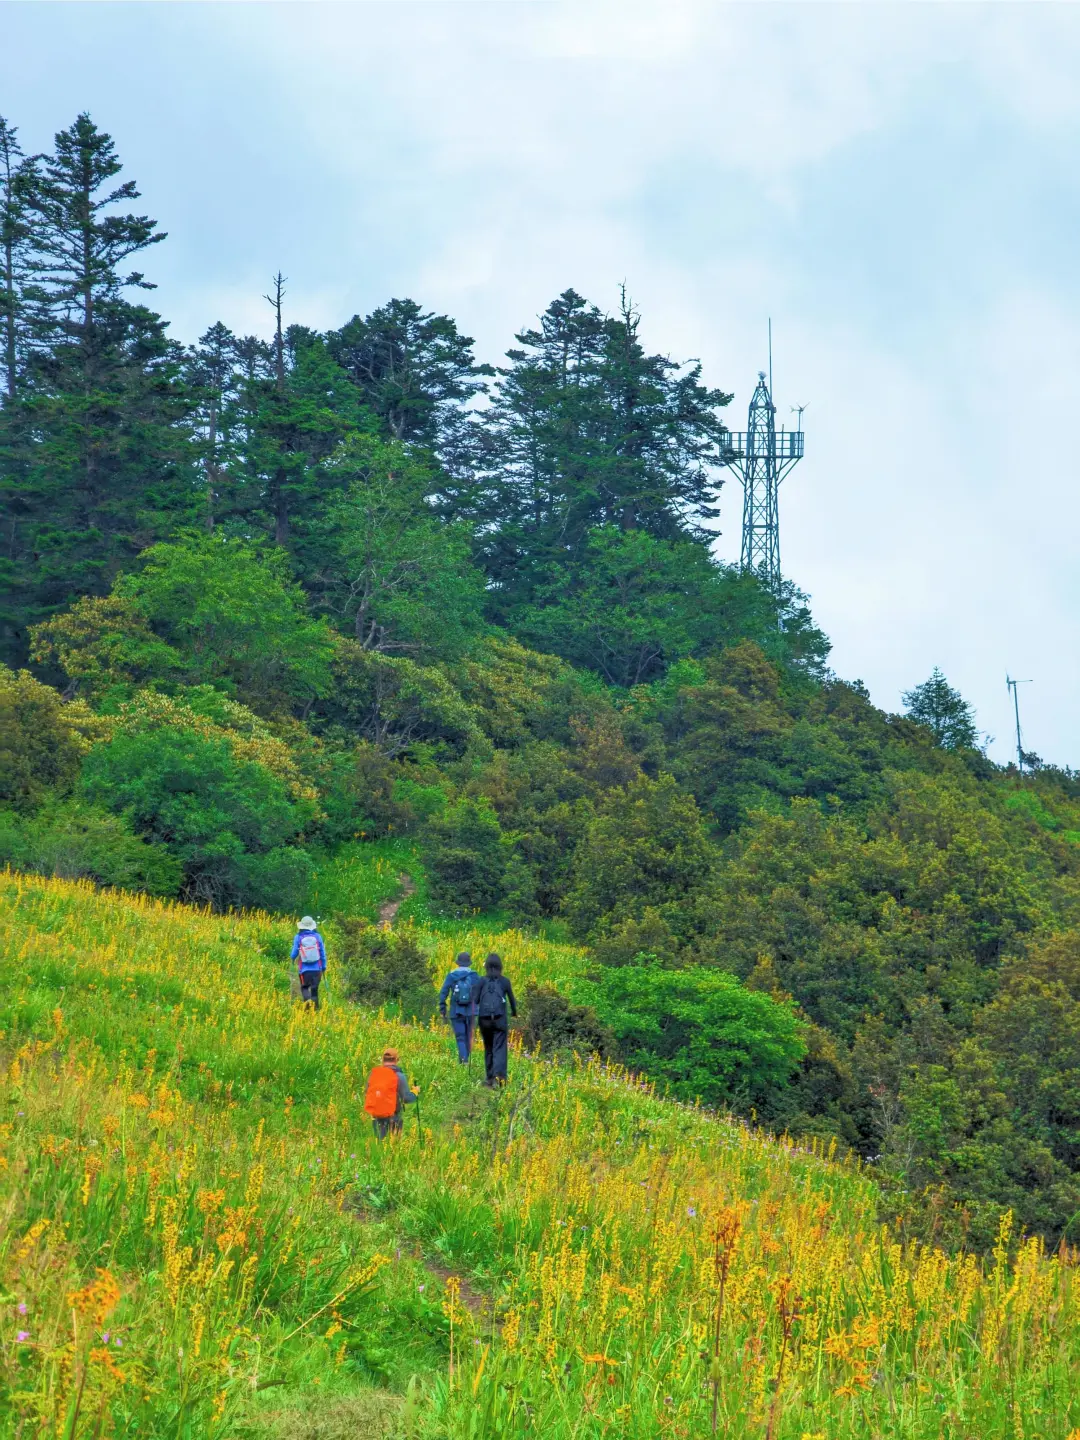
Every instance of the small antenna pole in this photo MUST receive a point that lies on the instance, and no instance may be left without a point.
(771, 390)
(1011, 684)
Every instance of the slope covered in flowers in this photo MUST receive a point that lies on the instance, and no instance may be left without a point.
(200, 1238)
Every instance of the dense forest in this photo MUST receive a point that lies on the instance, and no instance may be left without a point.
(265, 599)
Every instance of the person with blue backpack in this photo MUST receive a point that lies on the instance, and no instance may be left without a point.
(459, 988)
(309, 952)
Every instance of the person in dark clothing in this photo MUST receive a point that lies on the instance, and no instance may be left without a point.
(385, 1125)
(460, 988)
(492, 997)
(309, 952)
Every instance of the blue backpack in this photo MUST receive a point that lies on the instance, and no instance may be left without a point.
(463, 988)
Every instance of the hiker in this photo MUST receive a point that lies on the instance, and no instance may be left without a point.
(460, 987)
(388, 1092)
(492, 997)
(309, 952)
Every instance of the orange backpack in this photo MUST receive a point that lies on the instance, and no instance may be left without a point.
(381, 1100)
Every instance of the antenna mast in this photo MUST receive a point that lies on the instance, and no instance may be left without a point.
(1011, 685)
(762, 459)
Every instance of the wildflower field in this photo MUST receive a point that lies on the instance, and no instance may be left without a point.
(199, 1236)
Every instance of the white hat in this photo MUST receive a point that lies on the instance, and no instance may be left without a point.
(307, 923)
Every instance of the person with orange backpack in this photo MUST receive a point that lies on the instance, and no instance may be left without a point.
(388, 1092)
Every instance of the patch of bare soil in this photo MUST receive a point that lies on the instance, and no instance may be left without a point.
(389, 908)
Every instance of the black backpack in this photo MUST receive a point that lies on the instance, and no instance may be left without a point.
(491, 1004)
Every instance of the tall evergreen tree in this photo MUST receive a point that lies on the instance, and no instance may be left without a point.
(414, 369)
(18, 174)
(297, 405)
(212, 373)
(95, 453)
(936, 704)
(592, 430)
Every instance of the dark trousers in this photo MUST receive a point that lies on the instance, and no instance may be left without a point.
(390, 1126)
(494, 1033)
(309, 986)
(462, 1026)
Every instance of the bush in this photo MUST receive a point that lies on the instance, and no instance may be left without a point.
(648, 847)
(226, 819)
(700, 1032)
(466, 858)
(278, 881)
(358, 795)
(385, 967)
(235, 616)
(396, 704)
(41, 740)
(74, 841)
(552, 1024)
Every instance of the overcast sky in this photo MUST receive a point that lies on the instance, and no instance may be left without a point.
(896, 185)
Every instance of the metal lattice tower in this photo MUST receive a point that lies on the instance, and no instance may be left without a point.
(762, 458)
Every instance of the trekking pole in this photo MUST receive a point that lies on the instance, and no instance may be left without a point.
(419, 1127)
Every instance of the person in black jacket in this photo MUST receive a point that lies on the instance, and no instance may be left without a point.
(492, 996)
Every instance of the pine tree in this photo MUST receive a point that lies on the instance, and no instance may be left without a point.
(211, 373)
(944, 710)
(18, 174)
(96, 451)
(591, 430)
(414, 369)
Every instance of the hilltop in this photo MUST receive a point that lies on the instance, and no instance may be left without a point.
(201, 1237)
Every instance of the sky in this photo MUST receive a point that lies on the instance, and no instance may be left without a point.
(896, 186)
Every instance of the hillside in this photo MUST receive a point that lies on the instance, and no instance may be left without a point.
(201, 1237)
(281, 620)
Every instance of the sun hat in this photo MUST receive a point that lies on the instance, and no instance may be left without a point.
(307, 923)
(389, 1057)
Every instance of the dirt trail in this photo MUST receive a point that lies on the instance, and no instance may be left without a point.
(478, 1304)
(389, 908)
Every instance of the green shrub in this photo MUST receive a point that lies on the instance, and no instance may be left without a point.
(227, 820)
(385, 967)
(648, 847)
(71, 840)
(553, 1025)
(40, 741)
(700, 1033)
(358, 795)
(466, 858)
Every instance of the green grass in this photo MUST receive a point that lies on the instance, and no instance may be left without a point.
(184, 1128)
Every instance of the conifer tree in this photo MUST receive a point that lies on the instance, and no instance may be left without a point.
(591, 430)
(414, 369)
(211, 371)
(18, 174)
(944, 710)
(97, 441)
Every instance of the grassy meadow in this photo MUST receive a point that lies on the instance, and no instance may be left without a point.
(200, 1238)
